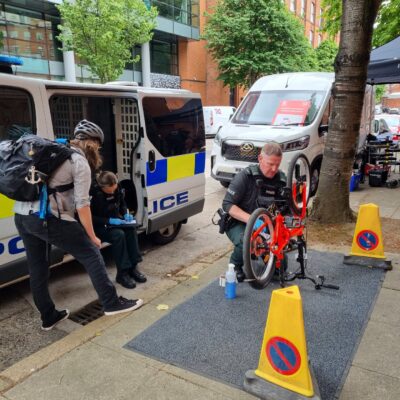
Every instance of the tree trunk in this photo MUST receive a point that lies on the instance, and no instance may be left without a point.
(332, 201)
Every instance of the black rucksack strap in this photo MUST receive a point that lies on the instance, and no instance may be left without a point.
(60, 188)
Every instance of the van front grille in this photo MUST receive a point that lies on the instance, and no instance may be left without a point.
(232, 152)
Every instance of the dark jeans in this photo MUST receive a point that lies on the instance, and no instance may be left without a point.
(235, 235)
(125, 246)
(70, 237)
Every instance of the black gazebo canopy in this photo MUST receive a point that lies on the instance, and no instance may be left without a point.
(384, 65)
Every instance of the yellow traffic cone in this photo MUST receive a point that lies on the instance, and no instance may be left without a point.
(283, 367)
(367, 248)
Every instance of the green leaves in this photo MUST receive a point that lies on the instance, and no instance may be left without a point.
(326, 53)
(252, 38)
(102, 33)
(387, 23)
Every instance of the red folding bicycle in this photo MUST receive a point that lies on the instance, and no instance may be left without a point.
(277, 227)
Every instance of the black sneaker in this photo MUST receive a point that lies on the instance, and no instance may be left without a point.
(58, 317)
(125, 280)
(240, 276)
(123, 305)
(137, 275)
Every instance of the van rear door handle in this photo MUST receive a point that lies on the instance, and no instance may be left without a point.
(152, 161)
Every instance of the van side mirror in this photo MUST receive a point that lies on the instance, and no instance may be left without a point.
(322, 130)
(376, 126)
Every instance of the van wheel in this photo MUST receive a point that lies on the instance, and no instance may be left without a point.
(225, 184)
(315, 170)
(167, 234)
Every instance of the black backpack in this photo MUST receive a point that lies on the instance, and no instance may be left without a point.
(27, 163)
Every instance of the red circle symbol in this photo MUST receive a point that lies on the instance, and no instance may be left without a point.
(283, 356)
(367, 240)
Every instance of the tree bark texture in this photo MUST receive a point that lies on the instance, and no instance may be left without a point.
(331, 203)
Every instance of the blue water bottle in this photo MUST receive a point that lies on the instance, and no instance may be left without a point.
(230, 282)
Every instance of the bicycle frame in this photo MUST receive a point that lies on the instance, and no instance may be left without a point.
(282, 234)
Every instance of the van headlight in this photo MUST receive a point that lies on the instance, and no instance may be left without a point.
(217, 138)
(298, 144)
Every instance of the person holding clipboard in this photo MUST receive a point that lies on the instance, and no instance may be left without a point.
(114, 224)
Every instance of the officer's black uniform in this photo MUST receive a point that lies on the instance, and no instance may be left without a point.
(124, 242)
(243, 192)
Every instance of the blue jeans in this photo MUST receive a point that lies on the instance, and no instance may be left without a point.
(70, 237)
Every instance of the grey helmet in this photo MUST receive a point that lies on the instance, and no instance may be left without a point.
(86, 130)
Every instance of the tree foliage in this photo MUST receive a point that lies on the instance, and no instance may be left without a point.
(379, 92)
(1, 40)
(325, 54)
(102, 32)
(387, 23)
(251, 38)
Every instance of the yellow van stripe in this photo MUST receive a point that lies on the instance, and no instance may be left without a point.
(180, 167)
(6, 207)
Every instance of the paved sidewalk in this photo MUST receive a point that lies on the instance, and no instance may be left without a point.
(91, 362)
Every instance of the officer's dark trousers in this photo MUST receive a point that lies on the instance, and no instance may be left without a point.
(70, 237)
(235, 234)
(125, 246)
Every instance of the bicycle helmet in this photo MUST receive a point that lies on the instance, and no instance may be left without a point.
(86, 130)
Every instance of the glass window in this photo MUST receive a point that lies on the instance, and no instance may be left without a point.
(303, 8)
(16, 113)
(293, 5)
(174, 125)
(311, 37)
(312, 16)
(183, 11)
(164, 54)
(30, 34)
(262, 108)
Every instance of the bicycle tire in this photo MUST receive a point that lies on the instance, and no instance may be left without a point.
(257, 271)
(295, 204)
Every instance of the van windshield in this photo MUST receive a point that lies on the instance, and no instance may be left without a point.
(280, 107)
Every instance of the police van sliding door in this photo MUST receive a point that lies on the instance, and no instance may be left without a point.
(174, 159)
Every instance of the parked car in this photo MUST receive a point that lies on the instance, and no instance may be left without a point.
(382, 131)
(215, 117)
(393, 111)
(393, 123)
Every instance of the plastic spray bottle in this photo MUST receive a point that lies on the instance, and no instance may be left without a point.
(230, 282)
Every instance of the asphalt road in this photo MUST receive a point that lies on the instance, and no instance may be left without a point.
(20, 333)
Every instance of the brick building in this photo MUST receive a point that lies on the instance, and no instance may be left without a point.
(178, 58)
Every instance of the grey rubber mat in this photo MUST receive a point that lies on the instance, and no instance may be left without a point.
(222, 338)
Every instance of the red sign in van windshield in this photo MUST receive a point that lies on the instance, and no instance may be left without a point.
(291, 112)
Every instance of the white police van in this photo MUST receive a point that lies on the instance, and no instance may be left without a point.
(291, 109)
(154, 141)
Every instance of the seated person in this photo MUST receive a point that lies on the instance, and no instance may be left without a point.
(109, 214)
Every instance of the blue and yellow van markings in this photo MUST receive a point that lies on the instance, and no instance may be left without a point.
(178, 167)
(6, 207)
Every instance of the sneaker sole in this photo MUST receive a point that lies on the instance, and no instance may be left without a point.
(138, 304)
(51, 327)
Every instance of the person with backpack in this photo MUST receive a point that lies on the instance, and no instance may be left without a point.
(68, 195)
(114, 224)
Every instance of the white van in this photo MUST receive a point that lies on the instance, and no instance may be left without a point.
(215, 117)
(291, 109)
(154, 141)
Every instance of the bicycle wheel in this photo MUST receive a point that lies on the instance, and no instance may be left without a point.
(258, 260)
(299, 179)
